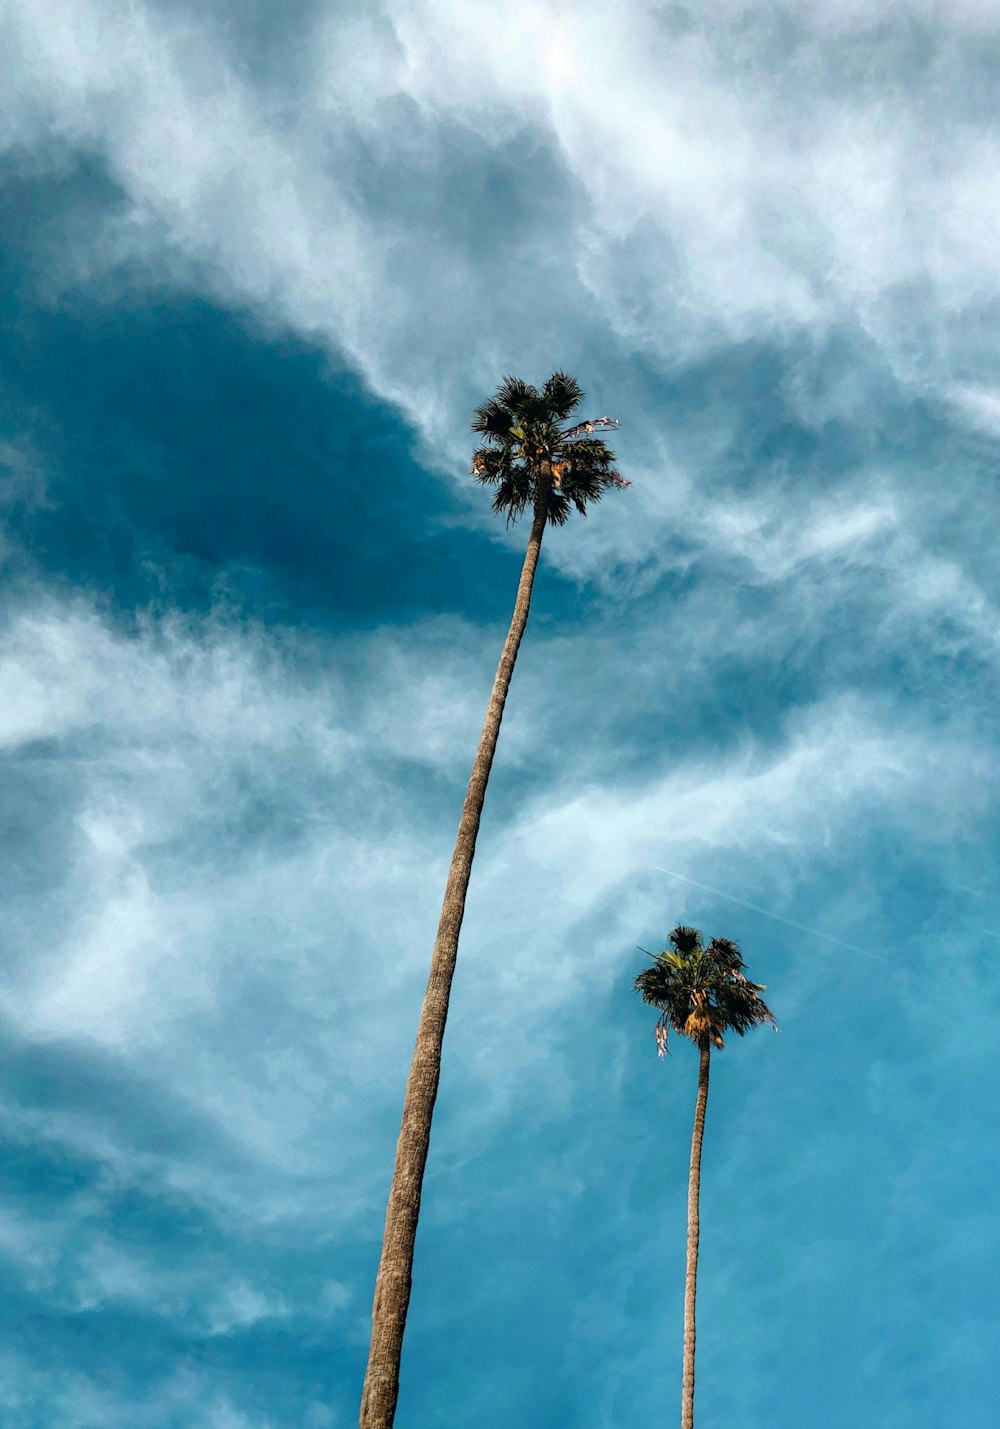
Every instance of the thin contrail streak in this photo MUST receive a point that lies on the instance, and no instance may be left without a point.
(788, 922)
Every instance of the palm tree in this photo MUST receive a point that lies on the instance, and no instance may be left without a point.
(531, 458)
(700, 993)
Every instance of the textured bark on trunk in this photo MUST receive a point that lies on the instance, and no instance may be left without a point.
(392, 1286)
(691, 1278)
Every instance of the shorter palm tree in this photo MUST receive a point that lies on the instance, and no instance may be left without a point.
(700, 992)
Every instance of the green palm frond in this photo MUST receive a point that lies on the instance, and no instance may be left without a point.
(586, 451)
(492, 420)
(563, 394)
(684, 940)
(488, 465)
(514, 393)
(559, 509)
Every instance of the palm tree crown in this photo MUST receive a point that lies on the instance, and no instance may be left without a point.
(701, 992)
(531, 456)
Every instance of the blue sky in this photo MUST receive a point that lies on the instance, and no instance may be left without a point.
(259, 264)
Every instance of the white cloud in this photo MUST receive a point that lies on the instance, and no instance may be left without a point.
(980, 405)
(854, 185)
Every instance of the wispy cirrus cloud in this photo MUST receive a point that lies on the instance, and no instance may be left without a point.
(215, 846)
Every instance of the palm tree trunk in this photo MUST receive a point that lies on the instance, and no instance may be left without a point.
(691, 1278)
(392, 1286)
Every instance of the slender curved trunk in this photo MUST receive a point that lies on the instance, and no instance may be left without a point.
(691, 1278)
(392, 1286)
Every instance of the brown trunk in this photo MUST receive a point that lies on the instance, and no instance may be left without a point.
(392, 1286)
(691, 1279)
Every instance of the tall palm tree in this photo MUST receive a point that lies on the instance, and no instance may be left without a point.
(700, 993)
(531, 458)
